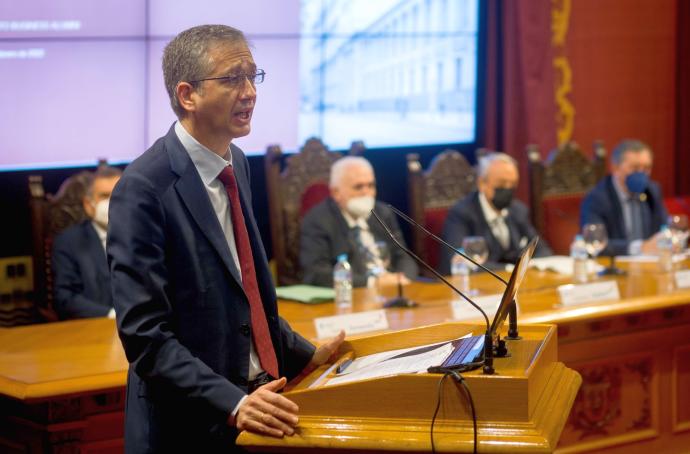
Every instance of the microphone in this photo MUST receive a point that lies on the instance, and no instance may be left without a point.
(400, 300)
(429, 267)
(488, 338)
(513, 333)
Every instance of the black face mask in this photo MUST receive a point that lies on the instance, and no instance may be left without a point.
(502, 198)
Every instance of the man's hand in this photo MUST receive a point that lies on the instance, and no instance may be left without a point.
(390, 279)
(326, 351)
(268, 413)
(649, 247)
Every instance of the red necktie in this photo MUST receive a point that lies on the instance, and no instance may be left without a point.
(260, 332)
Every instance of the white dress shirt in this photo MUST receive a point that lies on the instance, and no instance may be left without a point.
(367, 241)
(209, 165)
(102, 236)
(496, 221)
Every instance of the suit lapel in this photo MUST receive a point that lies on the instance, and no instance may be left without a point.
(193, 193)
(495, 248)
(344, 231)
(96, 252)
(618, 218)
(513, 232)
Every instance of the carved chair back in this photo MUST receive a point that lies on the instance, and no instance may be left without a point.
(432, 192)
(557, 188)
(50, 214)
(293, 189)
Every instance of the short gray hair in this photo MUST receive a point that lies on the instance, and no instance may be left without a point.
(186, 57)
(628, 145)
(340, 167)
(484, 163)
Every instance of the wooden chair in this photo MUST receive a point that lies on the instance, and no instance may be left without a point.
(50, 214)
(292, 191)
(557, 188)
(431, 194)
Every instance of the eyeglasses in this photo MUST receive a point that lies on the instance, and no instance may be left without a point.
(237, 80)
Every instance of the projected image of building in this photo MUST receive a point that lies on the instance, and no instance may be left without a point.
(389, 72)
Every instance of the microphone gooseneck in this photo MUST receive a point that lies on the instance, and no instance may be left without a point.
(445, 243)
(431, 268)
(513, 333)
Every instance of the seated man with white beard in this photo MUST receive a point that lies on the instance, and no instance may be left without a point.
(342, 224)
(82, 277)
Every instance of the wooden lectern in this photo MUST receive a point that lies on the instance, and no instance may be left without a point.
(522, 408)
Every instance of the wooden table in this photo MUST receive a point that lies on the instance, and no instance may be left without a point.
(633, 354)
(64, 383)
(62, 387)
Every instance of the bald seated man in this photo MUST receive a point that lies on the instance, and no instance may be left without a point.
(342, 224)
(493, 213)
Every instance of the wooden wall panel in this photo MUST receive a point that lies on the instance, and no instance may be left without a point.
(618, 401)
(681, 388)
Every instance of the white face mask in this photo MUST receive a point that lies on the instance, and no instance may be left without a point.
(360, 207)
(100, 216)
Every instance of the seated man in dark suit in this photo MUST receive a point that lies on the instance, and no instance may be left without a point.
(627, 202)
(342, 224)
(82, 278)
(491, 212)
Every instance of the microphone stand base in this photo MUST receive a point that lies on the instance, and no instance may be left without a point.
(609, 271)
(400, 301)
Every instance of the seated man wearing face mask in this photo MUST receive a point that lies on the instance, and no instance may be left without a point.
(82, 278)
(627, 202)
(342, 224)
(492, 213)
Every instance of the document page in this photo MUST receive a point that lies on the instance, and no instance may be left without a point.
(394, 362)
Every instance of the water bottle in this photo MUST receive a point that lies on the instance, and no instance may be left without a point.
(665, 247)
(578, 252)
(342, 283)
(460, 271)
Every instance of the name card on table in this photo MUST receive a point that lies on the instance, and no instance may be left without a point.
(683, 279)
(359, 322)
(462, 310)
(572, 295)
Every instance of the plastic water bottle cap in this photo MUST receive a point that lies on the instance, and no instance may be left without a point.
(342, 258)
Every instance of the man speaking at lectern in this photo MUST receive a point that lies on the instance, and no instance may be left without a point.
(195, 303)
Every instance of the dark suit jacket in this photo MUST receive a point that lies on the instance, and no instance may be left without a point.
(325, 235)
(466, 218)
(82, 278)
(601, 205)
(182, 314)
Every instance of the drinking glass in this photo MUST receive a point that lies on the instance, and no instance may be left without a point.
(595, 237)
(475, 247)
(678, 224)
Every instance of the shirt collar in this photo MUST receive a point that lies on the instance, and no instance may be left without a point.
(207, 163)
(100, 231)
(352, 222)
(622, 195)
(489, 213)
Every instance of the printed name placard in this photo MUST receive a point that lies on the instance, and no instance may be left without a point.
(572, 295)
(462, 310)
(359, 322)
(683, 279)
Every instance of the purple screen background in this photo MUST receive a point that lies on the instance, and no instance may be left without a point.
(84, 80)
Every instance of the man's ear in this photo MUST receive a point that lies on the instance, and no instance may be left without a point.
(185, 96)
